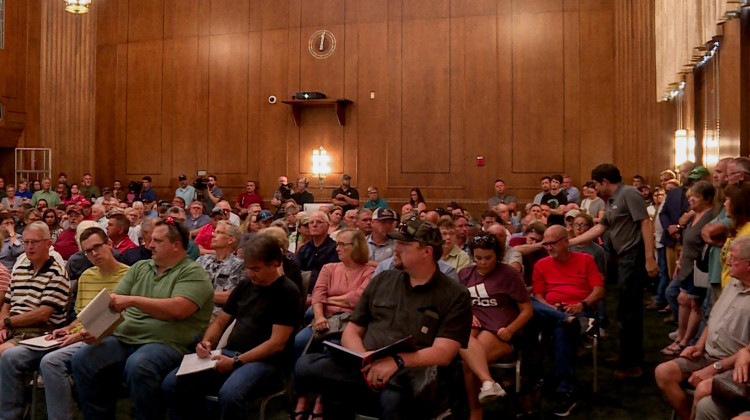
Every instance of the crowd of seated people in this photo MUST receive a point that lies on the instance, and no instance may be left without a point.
(464, 289)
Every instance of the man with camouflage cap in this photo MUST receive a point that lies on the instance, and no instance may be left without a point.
(419, 301)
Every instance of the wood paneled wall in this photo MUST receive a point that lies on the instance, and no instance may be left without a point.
(534, 86)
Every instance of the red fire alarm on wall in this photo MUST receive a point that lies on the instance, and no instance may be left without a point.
(480, 160)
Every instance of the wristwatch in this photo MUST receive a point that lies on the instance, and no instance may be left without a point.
(237, 362)
(718, 366)
(6, 322)
(399, 361)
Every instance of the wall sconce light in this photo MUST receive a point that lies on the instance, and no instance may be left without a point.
(710, 151)
(320, 164)
(684, 147)
(77, 7)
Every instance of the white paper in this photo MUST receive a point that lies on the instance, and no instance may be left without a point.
(97, 318)
(191, 363)
(40, 342)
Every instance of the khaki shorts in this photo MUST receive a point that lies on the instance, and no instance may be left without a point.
(16, 335)
(687, 366)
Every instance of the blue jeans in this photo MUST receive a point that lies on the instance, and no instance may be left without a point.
(185, 394)
(673, 290)
(18, 361)
(98, 371)
(566, 336)
(300, 341)
(661, 260)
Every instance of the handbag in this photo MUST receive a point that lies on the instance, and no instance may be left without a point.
(336, 324)
(725, 390)
(700, 268)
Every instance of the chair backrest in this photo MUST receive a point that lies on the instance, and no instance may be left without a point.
(225, 337)
(306, 282)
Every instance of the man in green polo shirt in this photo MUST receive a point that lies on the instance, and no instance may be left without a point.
(46, 193)
(167, 302)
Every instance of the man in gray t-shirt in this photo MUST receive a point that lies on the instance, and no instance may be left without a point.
(631, 233)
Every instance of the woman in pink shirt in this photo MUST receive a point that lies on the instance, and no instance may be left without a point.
(338, 289)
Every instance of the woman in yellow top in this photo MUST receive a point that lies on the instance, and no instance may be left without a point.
(737, 205)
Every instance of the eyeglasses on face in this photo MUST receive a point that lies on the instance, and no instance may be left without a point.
(96, 248)
(552, 243)
(343, 244)
(33, 242)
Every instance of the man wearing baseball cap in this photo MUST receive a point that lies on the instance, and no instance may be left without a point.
(185, 190)
(66, 243)
(345, 196)
(381, 246)
(419, 301)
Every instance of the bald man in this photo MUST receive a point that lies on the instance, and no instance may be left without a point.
(566, 285)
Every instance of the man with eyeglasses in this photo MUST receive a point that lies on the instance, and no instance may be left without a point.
(66, 243)
(715, 352)
(417, 300)
(738, 170)
(318, 251)
(54, 364)
(166, 303)
(566, 285)
(37, 298)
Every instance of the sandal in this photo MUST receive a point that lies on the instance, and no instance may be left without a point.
(674, 349)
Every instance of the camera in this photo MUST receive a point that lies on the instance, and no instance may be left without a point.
(285, 191)
(200, 184)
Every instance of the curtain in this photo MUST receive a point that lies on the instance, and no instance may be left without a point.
(681, 29)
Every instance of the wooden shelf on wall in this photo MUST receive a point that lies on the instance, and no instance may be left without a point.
(299, 104)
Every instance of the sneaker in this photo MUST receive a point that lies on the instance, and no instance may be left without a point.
(565, 404)
(490, 391)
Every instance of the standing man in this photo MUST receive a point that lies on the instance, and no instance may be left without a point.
(345, 196)
(46, 193)
(501, 197)
(381, 246)
(147, 193)
(185, 190)
(247, 198)
(212, 194)
(55, 365)
(545, 182)
(283, 193)
(88, 189)
(574, 195)
(419, 301)
(375, 201)
(166, 302)
(302, 196)
(631, 232)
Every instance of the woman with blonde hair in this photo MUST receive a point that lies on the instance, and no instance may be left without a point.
(337, 291)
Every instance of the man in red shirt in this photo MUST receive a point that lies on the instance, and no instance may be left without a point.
(66, 243)
(570, 284)
(245, 199)
(117, 230)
